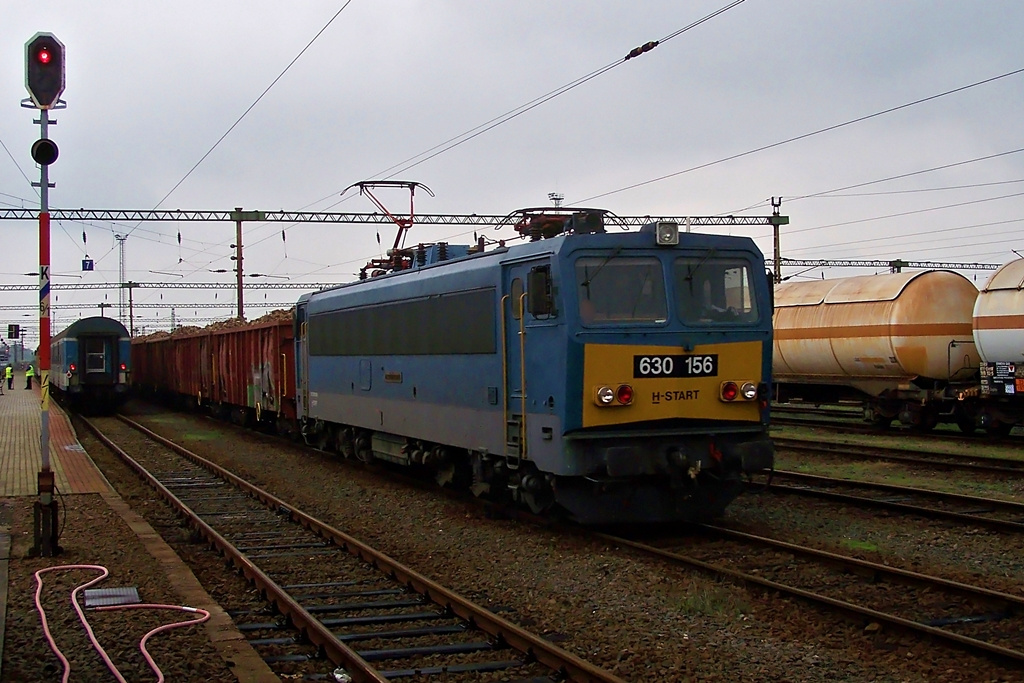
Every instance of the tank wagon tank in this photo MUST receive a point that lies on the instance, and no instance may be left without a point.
(999, 337)
(897, 341)
(619, 377)
(91, 364)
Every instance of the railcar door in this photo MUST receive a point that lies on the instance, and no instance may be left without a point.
(301, 362)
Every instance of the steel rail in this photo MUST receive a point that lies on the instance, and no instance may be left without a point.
(875, 567)
(548, 654)
(310, 626)
(842, 605)
(981, 463)
(815, 479)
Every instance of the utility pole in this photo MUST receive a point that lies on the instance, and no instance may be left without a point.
(237, 258)
(121, 275)
(238, 216)
(776, 221)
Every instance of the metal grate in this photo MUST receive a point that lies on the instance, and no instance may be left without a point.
(103, 597)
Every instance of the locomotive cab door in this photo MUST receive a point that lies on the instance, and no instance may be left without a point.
(525, 288)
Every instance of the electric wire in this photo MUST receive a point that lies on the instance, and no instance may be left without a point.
(804, 136)
(251, 106)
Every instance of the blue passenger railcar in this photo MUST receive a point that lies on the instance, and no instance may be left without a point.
(90, 365)
(618, 376)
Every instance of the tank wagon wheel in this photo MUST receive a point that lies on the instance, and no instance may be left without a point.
(999, 429)
(877, 418)
(925, 423)
(966, 424)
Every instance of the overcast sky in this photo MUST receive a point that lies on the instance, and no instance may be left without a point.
(151, 88)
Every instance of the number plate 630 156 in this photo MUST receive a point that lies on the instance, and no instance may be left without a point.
(676, 366)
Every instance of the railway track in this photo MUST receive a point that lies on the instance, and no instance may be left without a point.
(939, 459)
(332, 606)
(992, 513)
(978, 619)
(852, 421)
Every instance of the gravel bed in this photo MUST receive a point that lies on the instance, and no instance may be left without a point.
(634, 615)
(94, 534)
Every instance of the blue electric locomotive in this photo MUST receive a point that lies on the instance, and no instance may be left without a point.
(90, 365)
(617, 376)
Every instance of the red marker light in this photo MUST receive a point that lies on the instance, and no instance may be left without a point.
(624, 394)
(730, 391)
(73, 367)
(124, 366)
(43, 56)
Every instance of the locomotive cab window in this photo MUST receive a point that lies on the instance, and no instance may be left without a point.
(620, 290)
(714, 290)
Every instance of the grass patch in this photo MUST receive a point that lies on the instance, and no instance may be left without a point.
(854, 544)
(200, 436)
(712, 601)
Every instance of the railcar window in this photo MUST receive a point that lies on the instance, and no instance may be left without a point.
(95, 358)
(516, 297)
(620, 289)
(713, 290)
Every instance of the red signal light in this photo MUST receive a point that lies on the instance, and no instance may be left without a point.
(73, 367)
(124, 366)
(43, 56)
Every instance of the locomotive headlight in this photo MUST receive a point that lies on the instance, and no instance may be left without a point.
(605, 396)
(667, 233)
(749, 391)
(729, 391)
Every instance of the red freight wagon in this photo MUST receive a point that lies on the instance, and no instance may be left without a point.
(245, 372)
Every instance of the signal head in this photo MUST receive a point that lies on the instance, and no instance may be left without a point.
(44, 69)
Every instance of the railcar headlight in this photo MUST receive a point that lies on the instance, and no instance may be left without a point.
(749, 391)
(605, 396)
(624, 394)
(729, 391)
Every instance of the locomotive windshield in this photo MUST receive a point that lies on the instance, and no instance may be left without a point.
(714, 290)
(618, 289)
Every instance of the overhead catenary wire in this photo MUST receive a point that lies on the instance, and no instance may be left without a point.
(803, 136)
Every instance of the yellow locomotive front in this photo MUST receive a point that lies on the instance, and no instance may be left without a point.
(666, 375)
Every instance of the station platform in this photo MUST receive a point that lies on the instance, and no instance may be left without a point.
(76, 473)
(20, 459)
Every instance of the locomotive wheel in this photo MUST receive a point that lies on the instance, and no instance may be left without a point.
(538, 502)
